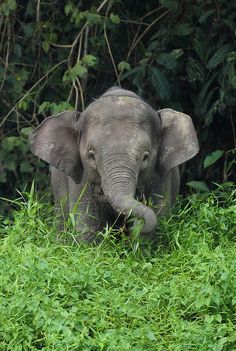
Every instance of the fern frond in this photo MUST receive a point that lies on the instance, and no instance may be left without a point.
(220, 55)
(160, 83)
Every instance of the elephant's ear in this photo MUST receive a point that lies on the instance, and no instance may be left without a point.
(55, 141)
(178, 140)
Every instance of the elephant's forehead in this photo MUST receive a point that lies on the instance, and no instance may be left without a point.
(111, 109)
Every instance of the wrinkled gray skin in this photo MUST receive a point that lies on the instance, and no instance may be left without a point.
(119, 149)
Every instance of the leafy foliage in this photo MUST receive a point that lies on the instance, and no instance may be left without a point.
(174, 54)
(180, 296)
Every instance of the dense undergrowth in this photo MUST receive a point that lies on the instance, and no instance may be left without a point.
(178, 296)
(175, 54)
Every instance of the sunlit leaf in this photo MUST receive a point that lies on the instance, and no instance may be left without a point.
(114, 18)
(212, 158)
(198, 185)
(124, 66)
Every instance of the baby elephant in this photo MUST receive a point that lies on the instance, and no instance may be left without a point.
(119, 157)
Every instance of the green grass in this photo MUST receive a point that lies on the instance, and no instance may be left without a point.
(179, 296)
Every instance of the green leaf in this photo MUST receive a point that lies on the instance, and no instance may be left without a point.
(151, 336)
(22, 75)
(203, 96)
(45, 106)
(139, 77)
(202, 19)
(123, 66)
(166, 60)
(55, 108)
(7, 7)
(212, 158)
(220, 345)
(28, 29)
(62, 106)
(45, 46)
(10, 165)
(199, 186)
(133, 71)
(169, 59)
(93, 18)
(68, 8)
(194, 70)
(18, 50)
(11, 142)
(3, 177)
(231, 56)
(114, 18)
(201, 45)
(25, 167)
(160, 83)
(77, 71)
(233, 81)
(169, 4)
(183, 29)
(177, 53)
(22, 105)
(26, 131)
(220, 55)
(89, 60)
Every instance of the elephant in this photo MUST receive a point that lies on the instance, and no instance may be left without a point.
(118, 158)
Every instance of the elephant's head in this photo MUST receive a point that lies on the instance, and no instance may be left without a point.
(117, 140)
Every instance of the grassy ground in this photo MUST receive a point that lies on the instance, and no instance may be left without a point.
(179, 296)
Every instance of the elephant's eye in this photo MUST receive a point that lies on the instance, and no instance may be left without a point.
(146, 156)
(91, 155)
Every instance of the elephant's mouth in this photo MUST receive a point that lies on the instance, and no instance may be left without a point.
(140, 196)
(98, 193)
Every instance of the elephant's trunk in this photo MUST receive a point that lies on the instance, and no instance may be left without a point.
(126, 204)
(119, 184)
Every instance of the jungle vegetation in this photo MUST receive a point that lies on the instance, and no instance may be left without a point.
(59, 55)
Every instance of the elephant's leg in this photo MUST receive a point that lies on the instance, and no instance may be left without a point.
(86, 210)
(60, 189)
(175, 184)
(163, 198)
(164, 195)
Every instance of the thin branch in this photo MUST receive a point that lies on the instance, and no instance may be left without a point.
(151, 12)
(3, 34)
(85, 76)
(38, 12)
(70, 94)
(81, 95)
(59, 45)
(80, 48)
(102, 5)
(75, 43)
(132, 45)
(7, 57)
(110, 53)
(130, 21)
(76, 94)
(148, 28)
(86, 41)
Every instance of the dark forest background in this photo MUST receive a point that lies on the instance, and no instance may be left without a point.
(57, 55)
